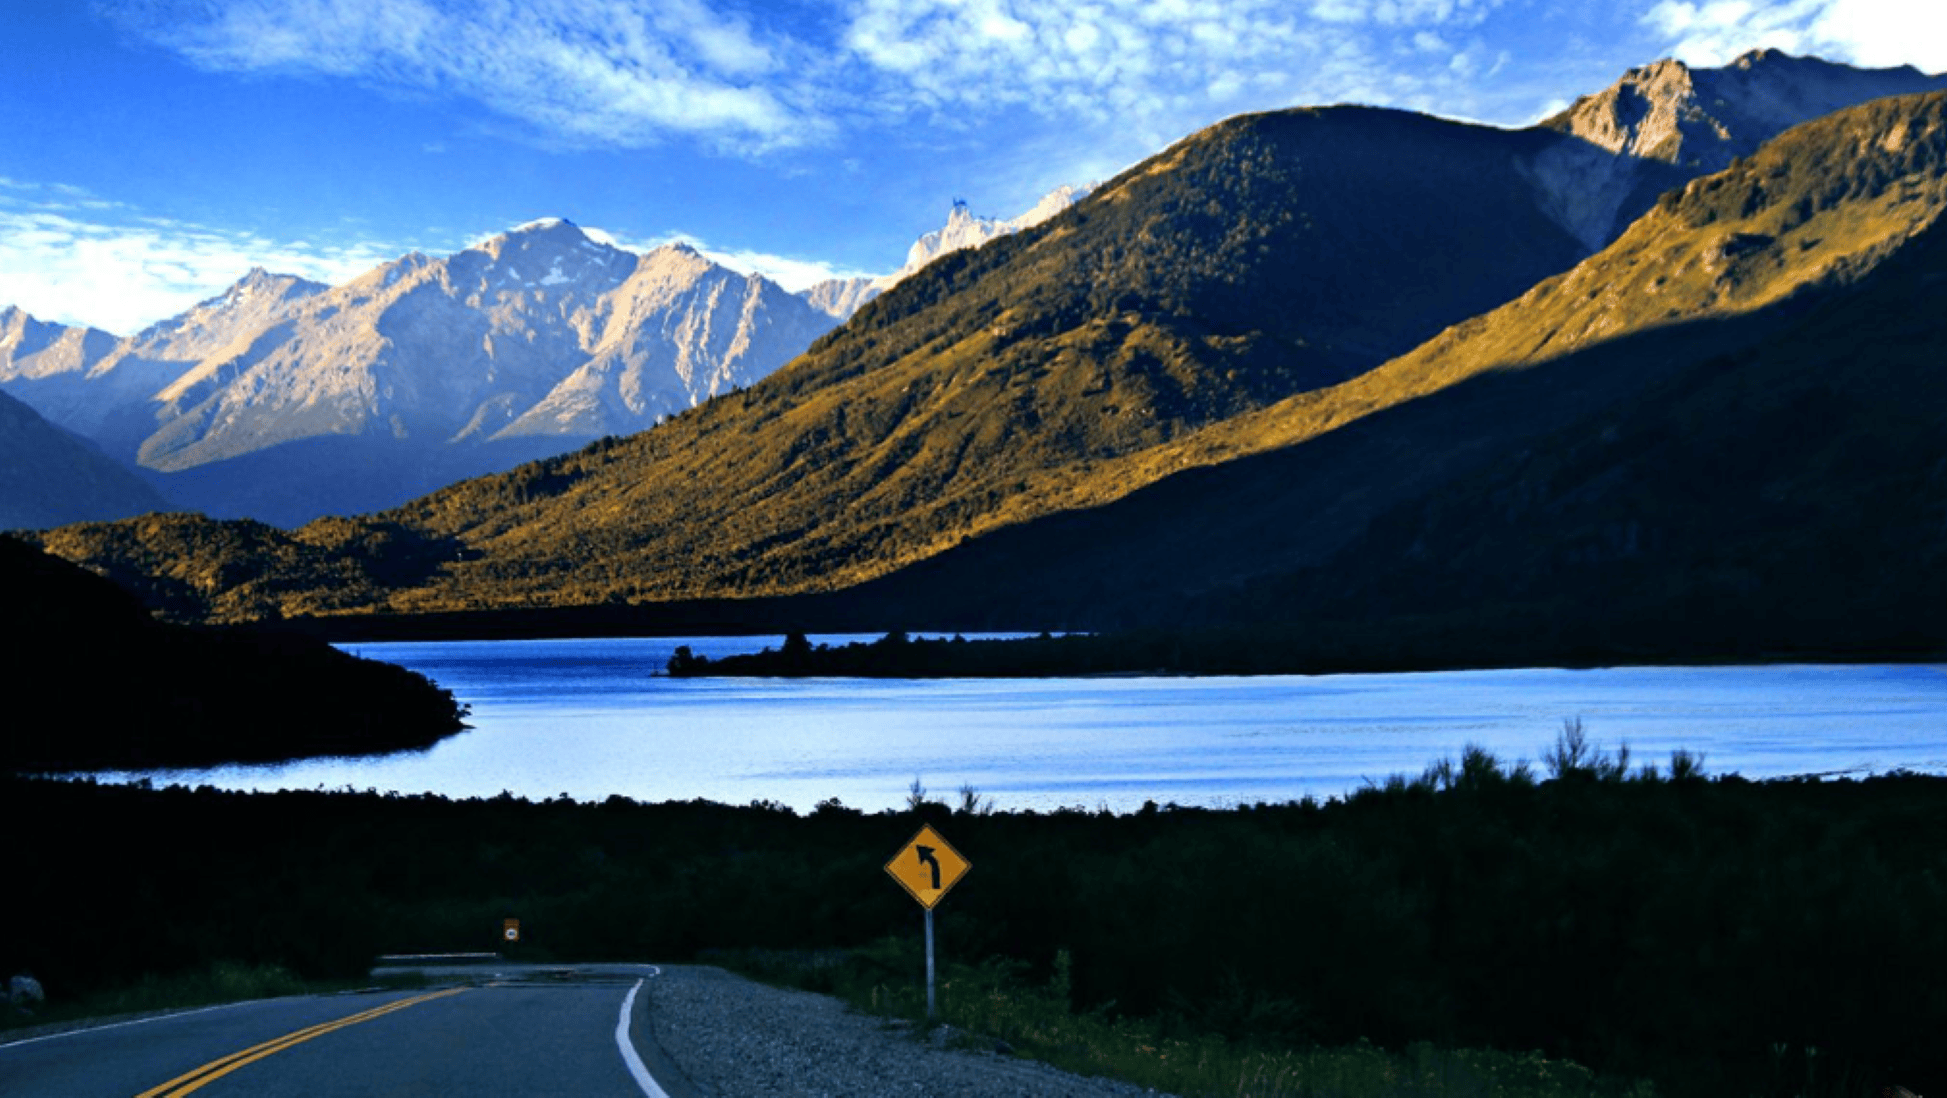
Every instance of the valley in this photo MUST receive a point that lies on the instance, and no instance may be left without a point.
(1342, 381)
(1634, 410)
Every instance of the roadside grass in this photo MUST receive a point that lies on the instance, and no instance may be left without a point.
(211, 985)
(992, 1006)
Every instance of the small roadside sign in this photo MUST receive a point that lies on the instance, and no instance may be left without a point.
(927, 867)
(510, 930)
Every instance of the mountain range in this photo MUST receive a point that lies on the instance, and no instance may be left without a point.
(284, 399)
(963, 229)
(1326, 365)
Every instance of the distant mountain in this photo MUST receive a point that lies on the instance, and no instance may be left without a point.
(1270, 255)
(840, 298)
(1224, 304)
(50, 477)
(1665, 123)
(100, 386)
(285, 399)
(964, 230)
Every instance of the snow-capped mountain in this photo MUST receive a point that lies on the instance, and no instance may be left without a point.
(284, 399)
(842, 297)
(679, 330)
(34, 351)
(964, 230)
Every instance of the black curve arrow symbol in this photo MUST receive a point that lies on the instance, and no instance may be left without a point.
(926, 858)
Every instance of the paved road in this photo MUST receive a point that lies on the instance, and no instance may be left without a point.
(533, 1031)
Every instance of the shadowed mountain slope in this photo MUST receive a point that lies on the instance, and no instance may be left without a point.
(49, 477)
(1722, 434)
(1228, 298)
(1273, 254)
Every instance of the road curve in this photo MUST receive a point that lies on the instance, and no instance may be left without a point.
(525, 1031)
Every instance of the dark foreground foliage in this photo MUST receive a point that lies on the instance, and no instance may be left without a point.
(95, 683)
(1716, 936)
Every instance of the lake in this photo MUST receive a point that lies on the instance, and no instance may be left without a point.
(591, 718)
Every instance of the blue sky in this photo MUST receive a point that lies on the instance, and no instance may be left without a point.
(155, 150)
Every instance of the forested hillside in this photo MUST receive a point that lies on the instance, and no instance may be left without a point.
(97, 684)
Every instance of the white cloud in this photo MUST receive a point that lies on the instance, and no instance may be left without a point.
(1405, 13)
(793, 273)
(632, 73)
(1883, 33)
(1870, 33)
(123, 275)
(606, 72)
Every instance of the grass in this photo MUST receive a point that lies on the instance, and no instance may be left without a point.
(992, 1006)
(212, 985)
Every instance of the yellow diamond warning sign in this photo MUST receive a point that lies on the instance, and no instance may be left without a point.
(927, 867)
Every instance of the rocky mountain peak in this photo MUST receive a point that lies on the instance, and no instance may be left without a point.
(1701, 118)
(260, 282)
(1665, 123)
(544, 237)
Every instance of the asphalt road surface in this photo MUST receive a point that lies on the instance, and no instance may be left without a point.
(481, 1033)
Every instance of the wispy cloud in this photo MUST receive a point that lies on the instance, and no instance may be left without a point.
(602, 72)
(627, 73)
(1873, 33)
(1148, 64)
(123, 273)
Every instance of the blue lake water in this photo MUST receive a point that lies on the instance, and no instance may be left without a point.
(591, 718)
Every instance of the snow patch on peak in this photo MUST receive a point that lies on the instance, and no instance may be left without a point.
(541, 225)
(966, 230)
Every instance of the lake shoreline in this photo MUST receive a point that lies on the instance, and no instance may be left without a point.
(1163, 655)
(592, 717)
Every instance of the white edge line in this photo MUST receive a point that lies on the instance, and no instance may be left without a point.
(629, 1056)
(79, 1031)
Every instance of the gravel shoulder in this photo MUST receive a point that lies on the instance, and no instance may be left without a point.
(731, 1038)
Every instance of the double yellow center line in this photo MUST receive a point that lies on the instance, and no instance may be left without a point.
(217, 1069)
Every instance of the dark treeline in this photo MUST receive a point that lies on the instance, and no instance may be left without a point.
(94, 682)
(1698, 932)
(1235, 650)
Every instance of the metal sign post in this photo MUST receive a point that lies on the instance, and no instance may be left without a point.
(928, 868)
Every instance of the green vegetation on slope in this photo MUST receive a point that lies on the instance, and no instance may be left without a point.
(1578, 475)
(1715, 439)
(1269, 255)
